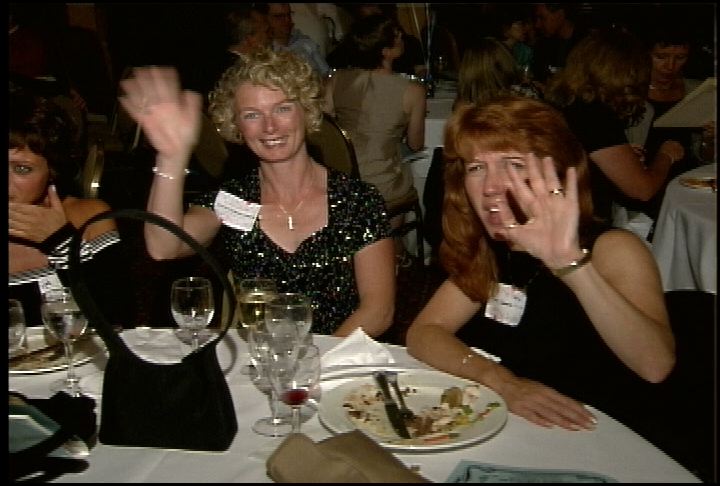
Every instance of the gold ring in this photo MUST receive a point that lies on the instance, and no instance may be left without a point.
(530, 221)
(511, 226)
(557, 192)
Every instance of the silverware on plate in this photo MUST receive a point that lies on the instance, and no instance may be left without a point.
(391, 408)
(407, 414)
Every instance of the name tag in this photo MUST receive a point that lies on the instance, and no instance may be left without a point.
(236, 212)
(507, 306)
(49, 284)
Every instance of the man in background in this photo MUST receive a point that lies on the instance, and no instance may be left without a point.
(286, 37)
(558, 31)
(248, 29)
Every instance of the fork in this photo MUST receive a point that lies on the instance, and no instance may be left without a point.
(406, 413)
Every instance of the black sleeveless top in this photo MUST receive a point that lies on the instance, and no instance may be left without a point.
(556, 344)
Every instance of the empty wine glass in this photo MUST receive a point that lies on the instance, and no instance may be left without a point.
(192, 305)
(252, 295)
(294, 377)
(290, 312)
(16, 327)
(260, 345)
(64, 320)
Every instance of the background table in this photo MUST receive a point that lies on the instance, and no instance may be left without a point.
(612, 449)
(438, 111)
(685, 239)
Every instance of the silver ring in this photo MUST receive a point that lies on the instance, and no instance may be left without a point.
(511, 226)
(557, 192)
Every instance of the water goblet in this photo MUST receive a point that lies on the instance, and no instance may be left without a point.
(192, 305)
(252, 295)
(290, 311)
(260, 346)
(64, 320)
(16, 328)
(294, 377)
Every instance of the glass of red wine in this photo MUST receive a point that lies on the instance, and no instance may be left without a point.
(295, 377)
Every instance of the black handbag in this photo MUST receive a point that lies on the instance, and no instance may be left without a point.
(185, 405)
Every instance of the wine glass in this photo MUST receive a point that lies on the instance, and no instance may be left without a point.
(192, 305)
(294, 377)
(252, 294)
(260, 346)
(64, 320)
(16, 327)
(290, 312)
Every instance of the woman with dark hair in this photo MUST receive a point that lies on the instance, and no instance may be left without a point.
(43, 215)
(602, 90)
(382, 111)
(574, 309)
(670, 47)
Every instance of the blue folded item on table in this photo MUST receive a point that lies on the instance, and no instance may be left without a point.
(478, 472)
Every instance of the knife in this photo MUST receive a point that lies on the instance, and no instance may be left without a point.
(391, 408)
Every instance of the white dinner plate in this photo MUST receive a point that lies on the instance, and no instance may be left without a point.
(39, 337)
(426, 388)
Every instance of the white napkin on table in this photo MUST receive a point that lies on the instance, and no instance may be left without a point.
(156, 345)
(357, 349)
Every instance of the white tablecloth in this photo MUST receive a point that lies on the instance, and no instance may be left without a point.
(685, 239)
(611, 449)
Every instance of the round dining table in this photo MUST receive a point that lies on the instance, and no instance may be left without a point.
(611, 449)
(685, 238)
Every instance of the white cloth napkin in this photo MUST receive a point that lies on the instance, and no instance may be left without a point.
(156, 345)
(357, 349)
(160, 345)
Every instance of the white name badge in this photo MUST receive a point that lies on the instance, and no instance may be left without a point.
(236, 212)
(507, 306)
(49, 284)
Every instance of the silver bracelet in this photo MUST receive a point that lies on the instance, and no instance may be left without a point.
(573, 265)
(167, 176)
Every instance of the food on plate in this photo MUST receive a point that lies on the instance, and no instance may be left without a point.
(452, 396)
(436, 422)
(699, 182)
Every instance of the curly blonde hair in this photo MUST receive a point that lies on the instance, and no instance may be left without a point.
(275, 70)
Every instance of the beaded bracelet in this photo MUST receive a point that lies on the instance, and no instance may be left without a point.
(573, 265)
(167, 176)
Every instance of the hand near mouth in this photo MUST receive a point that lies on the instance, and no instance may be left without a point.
(550, 232)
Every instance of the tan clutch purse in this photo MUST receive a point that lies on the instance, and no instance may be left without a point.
(351, 457)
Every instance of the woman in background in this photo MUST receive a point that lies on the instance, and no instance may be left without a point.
(384, 112)
(601, 91)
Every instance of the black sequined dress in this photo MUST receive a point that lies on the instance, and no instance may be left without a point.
(322, 266)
